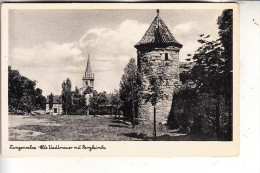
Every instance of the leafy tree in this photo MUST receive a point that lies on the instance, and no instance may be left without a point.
(76, 92)
(50, 101)
(40, 100)
(207, 72)
(94, 103)
(212, 72)
(66, 96)
(128, 91)
(98, 103)
(116, 101)
(156, 77)
(21, 92)
(22, 95)
(103, 98)
(225, 25)
(78, 103)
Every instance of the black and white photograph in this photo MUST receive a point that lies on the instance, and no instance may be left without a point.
(154, 74)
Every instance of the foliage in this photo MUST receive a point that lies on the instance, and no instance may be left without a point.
(115, 98)
(129, 89)
(50, 101)
(99, 103)
(213, 69)
(22, 94)
(211, 79)
(40, 100)
(156, 77)
(116, 101)
(78, 103)
(66, 96)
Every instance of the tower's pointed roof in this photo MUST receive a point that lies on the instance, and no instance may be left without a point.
(158, 34)
(88, 68)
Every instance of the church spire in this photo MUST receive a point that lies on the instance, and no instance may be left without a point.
(88, 69)
(88, 72)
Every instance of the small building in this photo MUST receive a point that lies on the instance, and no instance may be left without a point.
(57, 105)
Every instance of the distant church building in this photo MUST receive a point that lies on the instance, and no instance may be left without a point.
(86, 90)
(88, 83)
(158, 50)
(88, 78)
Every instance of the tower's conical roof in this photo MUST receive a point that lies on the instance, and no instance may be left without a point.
(88, 68)
(158, 34)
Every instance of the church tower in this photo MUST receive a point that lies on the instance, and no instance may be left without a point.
(88, 79)
(158, 51)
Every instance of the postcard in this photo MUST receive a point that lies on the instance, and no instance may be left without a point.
(119, 79)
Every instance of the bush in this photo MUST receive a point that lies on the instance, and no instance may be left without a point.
(195, 113)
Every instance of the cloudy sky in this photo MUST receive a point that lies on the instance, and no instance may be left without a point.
(50, 45)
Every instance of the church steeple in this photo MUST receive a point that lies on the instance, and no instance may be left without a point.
(88, 69)
(88, 78)
(88, 72)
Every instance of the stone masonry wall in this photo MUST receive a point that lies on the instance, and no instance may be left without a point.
(156, 60)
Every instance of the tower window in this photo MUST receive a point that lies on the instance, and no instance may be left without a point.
(166, 57)
(167, 82)
(86, 82)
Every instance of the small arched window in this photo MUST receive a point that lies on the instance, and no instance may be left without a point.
(167, 82)
(86, 82)
(166, 57)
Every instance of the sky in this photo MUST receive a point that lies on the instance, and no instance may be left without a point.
(51, 45)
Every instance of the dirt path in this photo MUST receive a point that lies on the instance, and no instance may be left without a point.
(16, 121)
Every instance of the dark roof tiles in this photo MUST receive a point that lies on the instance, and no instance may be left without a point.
(56, 99)
(158, 34)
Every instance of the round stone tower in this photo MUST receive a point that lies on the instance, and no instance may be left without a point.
(159, 51)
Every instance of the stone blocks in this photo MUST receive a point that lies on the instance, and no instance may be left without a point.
(165, 62)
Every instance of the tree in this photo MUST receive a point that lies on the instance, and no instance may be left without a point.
(156, 77)
(21, 92)
(128, 91)
(208, 70)
(116, 101)
(98, 103)
(40, 100)
(78, 102)
(212, 72)
(225, 25)
(22, 95)
(50, 101)
(103, 98)
(94, 103)
(66, 96)
(76, 92)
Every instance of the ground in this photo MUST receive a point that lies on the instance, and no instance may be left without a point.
(81, 128)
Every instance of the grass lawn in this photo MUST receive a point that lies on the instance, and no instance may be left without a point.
(80, 128)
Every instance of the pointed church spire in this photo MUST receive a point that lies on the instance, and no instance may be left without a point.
(88, 79)
(88, 69)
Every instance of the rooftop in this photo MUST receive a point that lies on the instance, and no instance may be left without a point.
(158, 34)
(56, 99)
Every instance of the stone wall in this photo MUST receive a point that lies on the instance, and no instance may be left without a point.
(164, 62)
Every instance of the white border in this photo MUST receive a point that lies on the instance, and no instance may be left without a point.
(122, 148)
